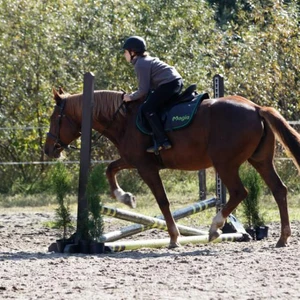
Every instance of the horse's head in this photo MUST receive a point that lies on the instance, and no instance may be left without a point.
(63, 130)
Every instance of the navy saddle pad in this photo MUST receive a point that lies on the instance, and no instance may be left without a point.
(178, 116)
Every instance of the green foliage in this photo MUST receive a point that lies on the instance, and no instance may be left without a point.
(61, 180)
(131, 181)
(260, 56)
(289, 175)
(95, 186)
(253, 184)
(253, 44)
(21, 200)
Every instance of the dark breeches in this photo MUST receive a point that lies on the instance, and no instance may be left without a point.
(162, 96)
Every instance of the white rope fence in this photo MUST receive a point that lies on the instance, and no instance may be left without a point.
(45, 128)
(23, 128)
(15, 163)
(11, 163)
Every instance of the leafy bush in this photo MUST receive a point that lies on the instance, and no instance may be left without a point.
(250, 204)
(61, 184)
(95, 186)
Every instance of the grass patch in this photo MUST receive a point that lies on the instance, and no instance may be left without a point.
(51, 224)
(20, 200)
(182, 189)
(147, 205)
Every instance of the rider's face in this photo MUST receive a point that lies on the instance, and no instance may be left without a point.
(127, 56)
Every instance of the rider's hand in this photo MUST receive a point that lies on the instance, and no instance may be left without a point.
(126, 98)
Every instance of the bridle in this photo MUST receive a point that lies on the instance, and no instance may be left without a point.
(58, 144)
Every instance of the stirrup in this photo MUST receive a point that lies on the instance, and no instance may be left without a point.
(153, 149)
(166, 145)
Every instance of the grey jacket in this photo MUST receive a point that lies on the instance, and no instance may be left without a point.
(151, 73)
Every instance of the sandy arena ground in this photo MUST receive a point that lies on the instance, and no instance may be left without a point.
(228, 270)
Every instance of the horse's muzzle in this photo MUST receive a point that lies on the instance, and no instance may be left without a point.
(53, 151)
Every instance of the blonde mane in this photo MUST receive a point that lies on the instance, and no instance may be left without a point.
(106, 103)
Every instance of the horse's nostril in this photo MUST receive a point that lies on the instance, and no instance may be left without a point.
(57, 146)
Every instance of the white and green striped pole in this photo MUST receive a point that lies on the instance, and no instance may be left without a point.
(146, 223)
(160, 243)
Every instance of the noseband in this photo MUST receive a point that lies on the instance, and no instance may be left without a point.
(57, 141)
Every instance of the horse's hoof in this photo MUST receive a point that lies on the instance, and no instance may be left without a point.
(213, 235)
(173, 245)
(129, 200)
(281, 244)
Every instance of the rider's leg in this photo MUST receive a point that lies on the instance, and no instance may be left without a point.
(160, 138)
(153, 106)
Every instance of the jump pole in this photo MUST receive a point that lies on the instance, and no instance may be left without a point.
(177, 214)
(159, 243)
(146, 220)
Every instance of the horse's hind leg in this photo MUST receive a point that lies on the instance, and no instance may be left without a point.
(116, 192)
(279, 191)
(237, 192)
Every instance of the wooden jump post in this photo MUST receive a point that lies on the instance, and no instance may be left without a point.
(85, 155)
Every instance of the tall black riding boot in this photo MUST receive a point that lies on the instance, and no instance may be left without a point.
(160, 139)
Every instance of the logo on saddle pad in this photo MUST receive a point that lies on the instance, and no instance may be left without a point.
(178, 116)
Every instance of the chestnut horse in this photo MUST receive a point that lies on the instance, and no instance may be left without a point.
(225, 133)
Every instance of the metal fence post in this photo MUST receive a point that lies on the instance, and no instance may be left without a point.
(218, 87)
(202, 184)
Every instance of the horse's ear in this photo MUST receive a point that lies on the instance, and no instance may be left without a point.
(61, 91)
(56, 96)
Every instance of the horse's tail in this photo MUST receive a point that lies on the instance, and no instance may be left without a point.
(287, 135)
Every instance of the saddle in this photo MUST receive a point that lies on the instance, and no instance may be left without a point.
(179, 114)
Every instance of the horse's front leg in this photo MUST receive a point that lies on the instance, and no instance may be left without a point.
(153, 180)
(116, 192)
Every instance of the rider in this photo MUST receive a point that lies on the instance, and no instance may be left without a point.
(153, 75)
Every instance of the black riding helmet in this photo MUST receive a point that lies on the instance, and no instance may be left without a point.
(135, 43)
